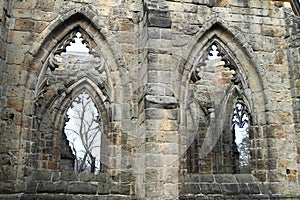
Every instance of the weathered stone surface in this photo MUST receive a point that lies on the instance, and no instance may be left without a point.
(26, 4)
(158, 18)
(230, 189)
(244, 178)
(45, 5)
(103, 188)
(82, 188)
(68, 176)
(164, 77)
(24, 25)
(206, 178)
(41, 176)
(52, 187)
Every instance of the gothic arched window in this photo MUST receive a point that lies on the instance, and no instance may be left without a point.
(239, 127)
(83, 130)
(221, 142)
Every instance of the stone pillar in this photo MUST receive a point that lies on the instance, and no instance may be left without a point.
(10, 105)
(161, 163)
(293, 56)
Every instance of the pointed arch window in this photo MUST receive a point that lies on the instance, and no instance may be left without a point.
(239, 127)
(216, 85)
(83, 130)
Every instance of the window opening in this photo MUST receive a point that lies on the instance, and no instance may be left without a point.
(77, 45)
(83, 131)
(214, 53)
(240, 125)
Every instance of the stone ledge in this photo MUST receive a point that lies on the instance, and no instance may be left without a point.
(223, 185)
(68, 176)
(75, 187)
(64, 197)
(51, 187)
(82, 188)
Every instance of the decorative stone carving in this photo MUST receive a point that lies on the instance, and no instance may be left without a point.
(55, 58)
(196, 73)
(41, 90)
(240, 115)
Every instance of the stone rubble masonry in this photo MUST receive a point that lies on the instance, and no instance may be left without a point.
(150, 49)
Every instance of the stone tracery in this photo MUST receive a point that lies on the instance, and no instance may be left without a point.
(212, 77)
(239, 127)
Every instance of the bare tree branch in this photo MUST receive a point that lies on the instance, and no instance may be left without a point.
(86, 126)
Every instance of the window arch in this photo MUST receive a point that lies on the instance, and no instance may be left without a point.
(296, 6)
(240, 128)
(68, 76)
(54, 87)
(217, 150)
(83, 129)
(96, 117)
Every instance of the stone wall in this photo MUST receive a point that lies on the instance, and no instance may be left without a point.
(9, 134)
(226, 186)
(149, 78)
(64, 185)
(293, 57)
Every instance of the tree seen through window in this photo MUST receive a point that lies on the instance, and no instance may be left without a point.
(83, 131)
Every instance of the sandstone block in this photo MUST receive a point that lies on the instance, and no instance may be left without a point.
(115, 189)
(43, 16)
(206, 188)
(42, 176)
(154, 190)
(67, 176)
(25, 4)
(230, 189)
(103, 188)
(46, 5)
(168, 174)
(12, 57)
(24, 24)
(226, 178)
(15, 103)
(82, 188)
(154, 160)
(21, 13)
(52, 187)
(159, 21)
(40, 26)
(20, 37)
(151, 175)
